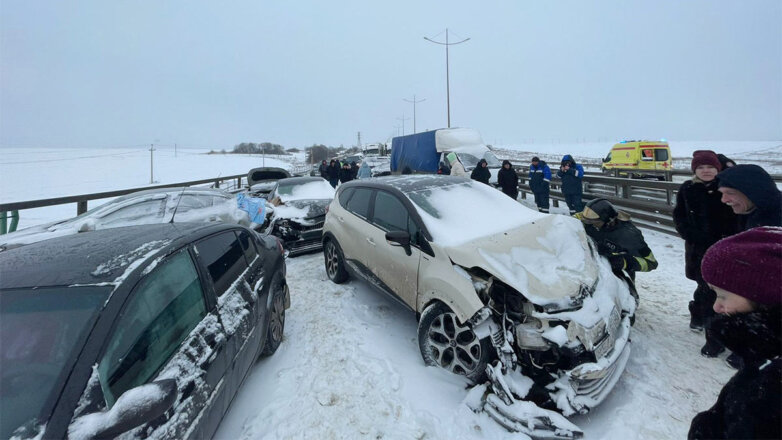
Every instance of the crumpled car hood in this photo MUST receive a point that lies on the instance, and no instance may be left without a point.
(304, 209)
(548, 260)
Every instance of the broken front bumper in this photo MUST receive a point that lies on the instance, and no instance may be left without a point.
(587, 385)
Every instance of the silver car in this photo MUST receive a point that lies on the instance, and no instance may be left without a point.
(177, 204)
(500, 291)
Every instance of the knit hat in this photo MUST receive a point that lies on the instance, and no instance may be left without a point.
(535, 159)
(748, 264)
(451, 157)
(705, 157)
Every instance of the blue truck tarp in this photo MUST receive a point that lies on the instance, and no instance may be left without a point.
(417, 151)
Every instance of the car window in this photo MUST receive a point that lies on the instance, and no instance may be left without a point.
(162, 310)
(192, 201)
(491, 159)
(223, 256)
(359, 203)
(647, 154)
(149, 211)
(248, 246)
(40, 330)
(660, 154)
(390, 214)
(344, 196)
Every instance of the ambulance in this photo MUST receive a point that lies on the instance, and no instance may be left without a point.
(639, 160)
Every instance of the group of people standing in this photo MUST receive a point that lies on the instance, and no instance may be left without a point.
(336, 172)
(730, 217)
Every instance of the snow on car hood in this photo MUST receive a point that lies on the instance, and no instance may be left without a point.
(302, 211)
(548, 260)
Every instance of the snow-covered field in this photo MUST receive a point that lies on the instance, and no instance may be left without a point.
(349, 365)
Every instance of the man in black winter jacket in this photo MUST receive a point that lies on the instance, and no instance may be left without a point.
(346, 173)
(753, 195)
(508, 180)
(333, 173)
(481, 172)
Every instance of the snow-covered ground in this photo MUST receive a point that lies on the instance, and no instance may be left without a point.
(349, 365)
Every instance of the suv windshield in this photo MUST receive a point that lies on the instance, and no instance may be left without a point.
(39, 330)
(471, 161)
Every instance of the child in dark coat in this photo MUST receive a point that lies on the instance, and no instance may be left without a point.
(745, 271)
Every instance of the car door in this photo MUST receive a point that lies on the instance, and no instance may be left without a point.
(164, 331)
(354, 228)
(223, 258)
(392, 264)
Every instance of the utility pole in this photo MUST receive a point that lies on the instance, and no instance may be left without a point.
(359, 140)
(174, 150)
(151, 161)
(414, 103)
(403, 119)
(447, 74)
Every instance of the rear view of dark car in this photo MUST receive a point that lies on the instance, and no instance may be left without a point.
(141, 331)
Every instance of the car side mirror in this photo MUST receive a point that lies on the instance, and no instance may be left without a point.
(399, 238)
(134, 408)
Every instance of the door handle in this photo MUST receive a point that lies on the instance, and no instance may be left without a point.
(342, 220)
(370, 241)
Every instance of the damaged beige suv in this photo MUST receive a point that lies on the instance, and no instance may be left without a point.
(500, 290)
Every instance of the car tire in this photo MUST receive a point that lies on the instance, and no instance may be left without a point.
(447, 344)
(276, 325)
(335, 263)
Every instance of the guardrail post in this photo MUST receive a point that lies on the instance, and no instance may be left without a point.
(625, 191)
(3, 224)
(81, 207)
(217, 183)
(14, 220)
(239, 182)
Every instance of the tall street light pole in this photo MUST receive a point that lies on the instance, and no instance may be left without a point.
(447, 74)
(414, 103)
(403, 119)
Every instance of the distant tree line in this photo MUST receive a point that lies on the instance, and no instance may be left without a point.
(263, 147)
(314, 153)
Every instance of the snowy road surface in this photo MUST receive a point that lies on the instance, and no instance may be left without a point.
(349, 367)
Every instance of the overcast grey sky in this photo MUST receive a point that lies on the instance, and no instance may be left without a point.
(119, 73)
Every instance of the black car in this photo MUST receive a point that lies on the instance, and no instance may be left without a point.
(297, 210)
(140, 331)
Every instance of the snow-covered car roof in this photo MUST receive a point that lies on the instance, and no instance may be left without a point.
(104, 255)
(161, 205)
